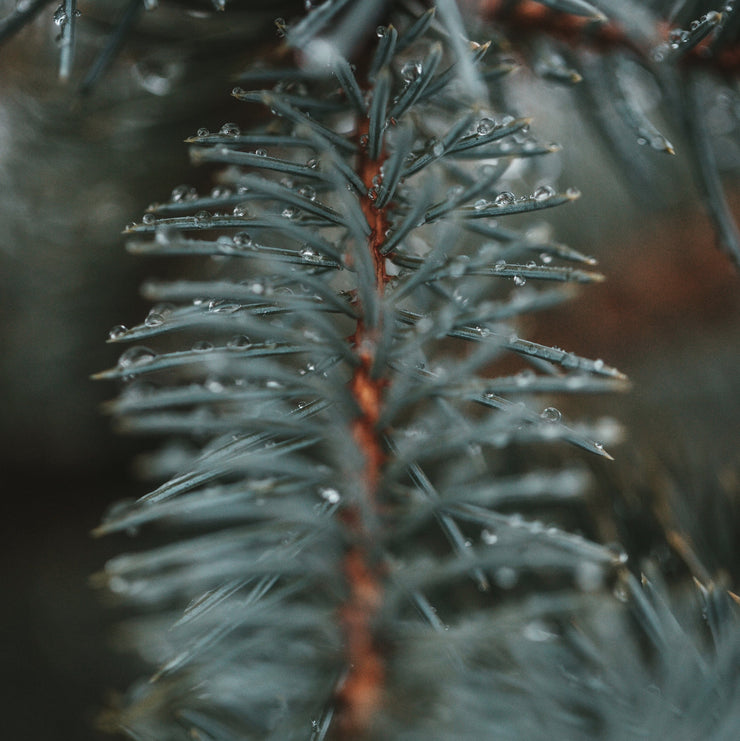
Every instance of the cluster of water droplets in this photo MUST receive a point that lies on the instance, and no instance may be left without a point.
(507, 198)
(676, 37)
(375, 184)
(181, 193)
(61, 17)
(679, 37)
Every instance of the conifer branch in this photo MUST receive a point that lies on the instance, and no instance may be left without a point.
(363, 247)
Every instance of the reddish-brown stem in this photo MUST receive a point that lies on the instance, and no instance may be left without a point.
(360, 695)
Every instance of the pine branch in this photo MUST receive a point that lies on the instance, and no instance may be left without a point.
(351, 409)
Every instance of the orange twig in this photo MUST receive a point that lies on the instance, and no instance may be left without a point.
(359, 697)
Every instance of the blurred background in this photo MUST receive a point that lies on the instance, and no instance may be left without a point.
(74, 169)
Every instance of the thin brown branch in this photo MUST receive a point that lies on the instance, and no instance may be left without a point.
(360, 695)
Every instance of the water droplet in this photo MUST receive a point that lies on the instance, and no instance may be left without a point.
(485, 126)
(480, 204)
(202, 346)
(183, 193)
(519, 280)
(135, 356)
(309, 255)
(223, 306)
(261, 152)
(289, 212)
(506, 198)
(60, 16)
(381, 31)
(149, 218)
(203, 217)
(117, 332)
(677, 37)
(240, 210)
(230, 129)
(573, 193)
(543, 193)
(239, 342)
(154, 319)
(242, 240)
(411, 71)
(621, 592)
(438, 149)
(546, 258)
(214, 385)
(619, 555)
(203, 132)
(488, 537)
(332, 496)
(551, 414)
(307, 192)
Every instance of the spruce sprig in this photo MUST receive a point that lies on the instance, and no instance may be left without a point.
(335, 373)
